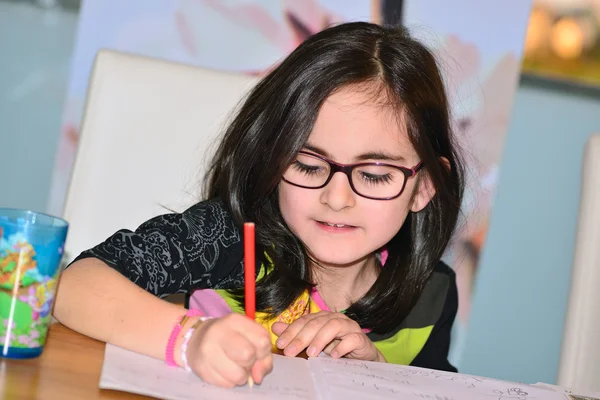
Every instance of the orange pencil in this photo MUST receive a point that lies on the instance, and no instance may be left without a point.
(249, 276)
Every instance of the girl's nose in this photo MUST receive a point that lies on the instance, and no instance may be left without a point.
(338, 193)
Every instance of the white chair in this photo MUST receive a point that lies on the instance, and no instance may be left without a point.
(147, 134)
(579, 366)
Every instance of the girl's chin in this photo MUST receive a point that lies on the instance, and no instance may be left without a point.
(338, 262)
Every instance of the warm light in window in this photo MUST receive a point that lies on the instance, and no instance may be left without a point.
(567, 38)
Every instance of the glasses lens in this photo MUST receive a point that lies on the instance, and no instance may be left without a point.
(378, 181)
(307, 171)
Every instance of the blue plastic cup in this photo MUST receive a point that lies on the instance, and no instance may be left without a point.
(31, 250)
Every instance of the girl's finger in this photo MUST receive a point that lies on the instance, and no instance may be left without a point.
(253, 331)
(355, 342)
(330, 346)
(241, 350)
(313, 328)
(279, 327)
(334, 328)
(293, 329)
(210, 375)
(262, 368)
(231, 370)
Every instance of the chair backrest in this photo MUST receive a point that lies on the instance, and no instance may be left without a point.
(147, 134)
(579, 366)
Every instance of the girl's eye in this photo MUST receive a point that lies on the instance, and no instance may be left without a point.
(307, 169)
(376, 179)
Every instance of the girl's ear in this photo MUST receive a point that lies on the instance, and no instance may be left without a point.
(425, 189)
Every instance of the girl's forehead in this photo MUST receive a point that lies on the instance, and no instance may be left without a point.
(353, 122)
(367, 104)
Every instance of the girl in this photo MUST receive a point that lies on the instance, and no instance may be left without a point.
(343, 157)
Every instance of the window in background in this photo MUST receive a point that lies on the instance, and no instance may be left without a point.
(563, 40)
(36, 43)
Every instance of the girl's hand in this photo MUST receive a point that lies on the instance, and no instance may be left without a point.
(334, 333)
(226, 351)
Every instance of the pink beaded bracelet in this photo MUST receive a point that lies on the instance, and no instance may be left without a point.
(170, 350)
(186, 341)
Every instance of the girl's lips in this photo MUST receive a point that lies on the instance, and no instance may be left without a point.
(335, 227)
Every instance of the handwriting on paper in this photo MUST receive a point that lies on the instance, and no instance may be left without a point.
(385, 380)
(512, 393)
(398, 372)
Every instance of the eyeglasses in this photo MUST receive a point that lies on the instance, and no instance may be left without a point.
(373, 180)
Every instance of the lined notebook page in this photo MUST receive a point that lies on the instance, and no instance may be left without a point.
(320, 378)
(350, 379)
(131, 372)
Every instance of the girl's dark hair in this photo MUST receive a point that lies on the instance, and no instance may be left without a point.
(274, 123)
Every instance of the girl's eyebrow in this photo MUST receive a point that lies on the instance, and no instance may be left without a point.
(380, 155)
(371, 155)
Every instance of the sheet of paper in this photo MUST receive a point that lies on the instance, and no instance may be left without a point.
(131, 372)
(351, 379)
(573, 393)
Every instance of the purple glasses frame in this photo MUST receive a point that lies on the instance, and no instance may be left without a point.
(347, 169)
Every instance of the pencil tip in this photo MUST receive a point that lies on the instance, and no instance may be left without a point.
(250, 382)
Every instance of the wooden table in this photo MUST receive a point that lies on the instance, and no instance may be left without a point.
(69, 368)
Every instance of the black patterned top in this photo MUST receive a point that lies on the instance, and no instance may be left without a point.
(177, 253)
(202, 248)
